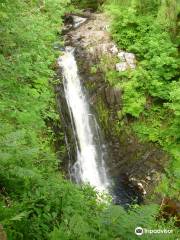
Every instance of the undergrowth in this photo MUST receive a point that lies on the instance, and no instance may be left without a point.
(150, 29)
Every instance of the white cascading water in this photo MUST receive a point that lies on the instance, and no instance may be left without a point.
(89, 167)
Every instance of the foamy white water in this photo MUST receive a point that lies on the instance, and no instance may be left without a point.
(89, 167)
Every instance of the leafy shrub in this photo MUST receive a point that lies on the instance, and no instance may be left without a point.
(150, 30)
(133, 100)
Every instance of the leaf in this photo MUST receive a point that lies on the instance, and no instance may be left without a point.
(20, 216)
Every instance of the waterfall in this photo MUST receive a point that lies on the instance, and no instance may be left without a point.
(89, 166)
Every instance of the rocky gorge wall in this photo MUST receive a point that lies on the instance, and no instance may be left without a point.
(135, 165)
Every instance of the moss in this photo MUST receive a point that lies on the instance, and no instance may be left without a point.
(103, 114)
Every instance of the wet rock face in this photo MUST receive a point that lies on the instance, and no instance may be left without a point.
(133, 165)
(113, 96)
(128, 61)
(77, 21)
(143, 163)
(69, 140)
(72, 22)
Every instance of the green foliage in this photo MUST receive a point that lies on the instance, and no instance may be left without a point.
(134, 100)
(94, 69)
(116, 223)
(158, 125)
(28, 32)
(168, 15)
(35, 200)
(150, 30)
(106, 65)
(103, 113)
(94, 4)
